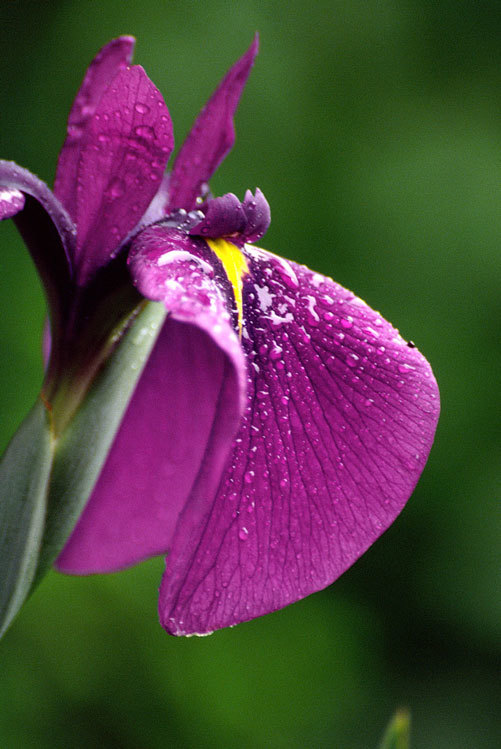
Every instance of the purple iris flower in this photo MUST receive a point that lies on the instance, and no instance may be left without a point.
(279, 425)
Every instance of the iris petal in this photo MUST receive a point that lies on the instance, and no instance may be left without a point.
(127, 145)
(47, 230)
(181, 421)
(11, 202)
(340, 418)
(112, 58)
(211, 137)
(228, 217)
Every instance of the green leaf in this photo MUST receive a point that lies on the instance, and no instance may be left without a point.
(45, 483)
(83, 447)
(397, 734)
(24, 476)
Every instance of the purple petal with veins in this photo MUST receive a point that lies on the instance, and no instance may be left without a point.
(340, 418)
(127, 145)
(180, 423)
(211, 137)
(112, 58)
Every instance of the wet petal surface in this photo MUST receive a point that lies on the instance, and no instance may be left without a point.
(127, 144)
(11, 202)
(180, 423)
(211, 137)
(112, 58)
(340, 418)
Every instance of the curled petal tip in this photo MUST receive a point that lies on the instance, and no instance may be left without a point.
(228, 217)
(11, 202)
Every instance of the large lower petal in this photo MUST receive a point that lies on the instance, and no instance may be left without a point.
(181, 421)
(211, 137)
(112, 58)
(340, 418)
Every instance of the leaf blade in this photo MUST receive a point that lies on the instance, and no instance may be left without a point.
(82, 449)
(24, 477)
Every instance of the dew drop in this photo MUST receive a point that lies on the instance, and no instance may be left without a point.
(144, 131)
(352, 360)
(141, 108)
(248, 477)
(243, 534)
(404, 368)
(347, 322)
(116, 189)
(275, 353)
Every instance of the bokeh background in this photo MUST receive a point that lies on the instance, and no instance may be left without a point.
(374, 130)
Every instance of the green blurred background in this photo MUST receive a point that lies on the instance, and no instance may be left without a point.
(374, 130)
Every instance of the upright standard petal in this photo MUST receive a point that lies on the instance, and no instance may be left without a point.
(128, 142)
(340, 418)
(181, 421)
(112, 58)
(211, 137)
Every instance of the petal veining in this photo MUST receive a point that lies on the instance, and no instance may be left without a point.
(211, 137)
(339, 421)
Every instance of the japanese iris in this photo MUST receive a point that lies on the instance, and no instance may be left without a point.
(279, 424)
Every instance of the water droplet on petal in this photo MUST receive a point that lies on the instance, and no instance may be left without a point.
(275, 353)
(115, 189)
(243, 534)
(347, 322)
(141, 108)
(248, 477)
(144, 131)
